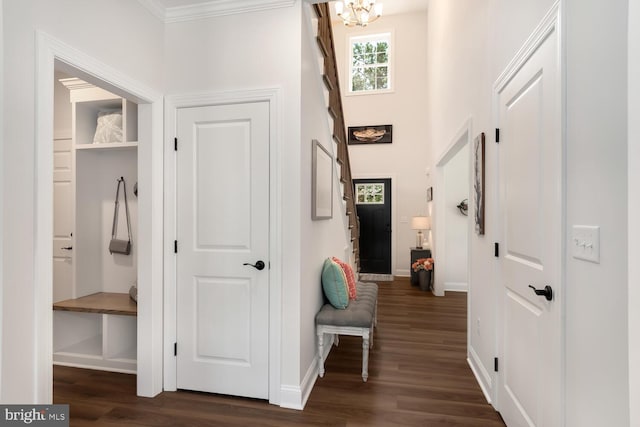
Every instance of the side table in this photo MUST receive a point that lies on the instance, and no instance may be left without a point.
(415, 255)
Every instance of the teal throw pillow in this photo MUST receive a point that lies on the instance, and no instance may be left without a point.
(334, 284)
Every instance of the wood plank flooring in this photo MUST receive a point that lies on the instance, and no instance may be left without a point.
(418, 376)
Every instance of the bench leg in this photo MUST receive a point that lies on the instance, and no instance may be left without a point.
(320, 334)
(365, 355)
(375, 314)
(336, 339)
(371, 337)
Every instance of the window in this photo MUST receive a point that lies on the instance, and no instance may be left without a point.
(370, 194)
(369, 63)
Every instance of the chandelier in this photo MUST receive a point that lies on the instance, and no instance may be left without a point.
(358, 12)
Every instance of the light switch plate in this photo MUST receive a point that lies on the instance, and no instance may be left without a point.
(585, 243)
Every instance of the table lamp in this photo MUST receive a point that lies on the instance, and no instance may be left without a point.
(420, 223)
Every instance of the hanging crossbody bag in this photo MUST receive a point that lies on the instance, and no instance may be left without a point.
(119, 246)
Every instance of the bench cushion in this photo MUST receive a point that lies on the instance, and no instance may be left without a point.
(358, 314)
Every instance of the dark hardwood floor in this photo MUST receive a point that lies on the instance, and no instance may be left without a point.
(418, 376)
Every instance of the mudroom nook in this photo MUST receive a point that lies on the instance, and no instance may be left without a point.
(95, 228)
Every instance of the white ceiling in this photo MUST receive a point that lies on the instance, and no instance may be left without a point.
(395, 7)
(179, 3)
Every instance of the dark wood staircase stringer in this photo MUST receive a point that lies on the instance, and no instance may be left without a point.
(326, 45)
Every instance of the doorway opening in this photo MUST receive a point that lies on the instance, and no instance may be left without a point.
(373, 203)
(95, 157)
(453, 224)
(53, 55)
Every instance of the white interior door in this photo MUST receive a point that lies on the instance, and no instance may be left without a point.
(63, 220)
(531, 189)
(223, 225)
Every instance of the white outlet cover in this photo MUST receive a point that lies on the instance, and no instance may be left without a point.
(585, 243)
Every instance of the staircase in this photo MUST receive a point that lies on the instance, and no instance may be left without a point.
(330, 78)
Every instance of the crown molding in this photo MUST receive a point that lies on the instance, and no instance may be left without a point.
(210, 9)
(155, 8)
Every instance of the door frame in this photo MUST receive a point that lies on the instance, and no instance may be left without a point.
(554, 20)
(149, 366)
(394, 192)
(383, 180)
(461, 141)
(172, 104)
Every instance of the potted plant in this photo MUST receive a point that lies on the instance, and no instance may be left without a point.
(423, 266)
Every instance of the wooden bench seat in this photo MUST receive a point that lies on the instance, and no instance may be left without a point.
(101, 302)
(358, 319)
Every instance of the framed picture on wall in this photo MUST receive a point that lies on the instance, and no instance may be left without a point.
(380, 134)
(478, 182)
(321, 182)
(429, 194)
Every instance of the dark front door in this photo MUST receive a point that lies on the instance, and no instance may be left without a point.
(373, 202)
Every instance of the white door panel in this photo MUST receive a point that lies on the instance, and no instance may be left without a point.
(530, 178)
(63, 220)
(223, 224)
(63, 278)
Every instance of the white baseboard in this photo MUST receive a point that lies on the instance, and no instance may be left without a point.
(291, 397)
(482, 375)
(455, 286)
(402, 273)
(295, 397)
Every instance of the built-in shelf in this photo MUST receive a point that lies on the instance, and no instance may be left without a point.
(101, 302)
(107, 146)
(89, 347)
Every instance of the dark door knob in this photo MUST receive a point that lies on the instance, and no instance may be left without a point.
(67, 248)
(547, 292)
(259, 265)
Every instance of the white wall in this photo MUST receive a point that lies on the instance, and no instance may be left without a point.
(1, 185)
(119, 33)
(634, 211)
(459, 89)
(596, 294)
(406, 159)
(466, 63)
(255, 51)
(319, 239)
(453, 264)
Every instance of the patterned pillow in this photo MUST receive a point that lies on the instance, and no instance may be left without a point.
(334, 284)
(351, 277)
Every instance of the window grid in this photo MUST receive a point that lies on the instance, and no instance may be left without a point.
(369, 63)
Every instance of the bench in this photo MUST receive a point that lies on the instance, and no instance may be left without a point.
(358, 319)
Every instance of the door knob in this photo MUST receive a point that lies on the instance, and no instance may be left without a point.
(547, 292)
(67, 248)
(259, 265)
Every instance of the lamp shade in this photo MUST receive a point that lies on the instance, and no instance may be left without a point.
(421, 223)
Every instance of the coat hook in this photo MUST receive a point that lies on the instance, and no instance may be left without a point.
(464, 207)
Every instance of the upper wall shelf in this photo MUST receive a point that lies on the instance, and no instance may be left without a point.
(89, 102)
(107, 146)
